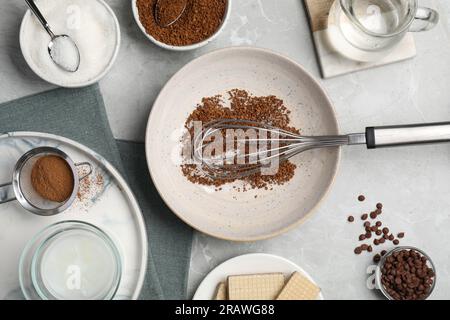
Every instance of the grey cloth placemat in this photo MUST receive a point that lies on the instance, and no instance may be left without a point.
(79, 114)
(171, 258)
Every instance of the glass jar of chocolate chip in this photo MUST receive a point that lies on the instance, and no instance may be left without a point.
(406, 273)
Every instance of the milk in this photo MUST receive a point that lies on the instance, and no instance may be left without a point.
(78, 264)
(379, 17)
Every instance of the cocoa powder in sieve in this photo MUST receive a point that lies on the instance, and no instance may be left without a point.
(242, 105)
(52, 178)
(200, 20)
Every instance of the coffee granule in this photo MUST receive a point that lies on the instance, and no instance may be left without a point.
(52, 178)
(200, 20)
(244, 106)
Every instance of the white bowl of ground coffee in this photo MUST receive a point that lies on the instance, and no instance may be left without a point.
(90, 23)
(201, 22)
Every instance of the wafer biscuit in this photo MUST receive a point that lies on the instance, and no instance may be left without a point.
(255, 287)
(299, 288)
(221, 292)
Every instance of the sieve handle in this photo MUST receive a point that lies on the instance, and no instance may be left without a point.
(85, 164)
(7, 193)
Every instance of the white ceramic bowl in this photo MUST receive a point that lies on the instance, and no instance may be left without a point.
(70, 84)
(181, 48)
(230, 214)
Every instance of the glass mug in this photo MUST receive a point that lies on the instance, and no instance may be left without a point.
(368, 30)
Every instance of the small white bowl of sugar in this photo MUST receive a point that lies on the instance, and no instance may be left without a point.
(91, 24)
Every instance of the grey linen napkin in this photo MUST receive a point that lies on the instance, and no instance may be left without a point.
(79, 114)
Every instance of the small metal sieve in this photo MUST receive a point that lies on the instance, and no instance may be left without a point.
(21, 189)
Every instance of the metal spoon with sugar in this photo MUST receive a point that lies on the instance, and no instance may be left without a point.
(62, 49)
(166, 16)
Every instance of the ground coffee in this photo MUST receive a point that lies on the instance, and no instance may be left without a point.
(52, 178)
(242, 105)
(200, 20)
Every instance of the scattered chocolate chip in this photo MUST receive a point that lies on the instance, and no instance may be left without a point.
(361, 198)
(383, 252)
(400, 235)
(362, 237)
(351, 219)
(378, 223)
(369, 249)
(368, 235)
(385, 230)
(396, 242)
(364, 216)
(357, 250)
(378, 232)
(373, 215)
(391, 237)
(376, 242)
(381, 240)
(376, 258)
(379, 206)
(366, 224)
(364, 247)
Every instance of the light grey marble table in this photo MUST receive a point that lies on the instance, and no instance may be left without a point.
(413, 183)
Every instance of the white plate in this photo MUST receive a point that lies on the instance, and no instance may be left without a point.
(229, 214)
(247, 264)
(112, 207)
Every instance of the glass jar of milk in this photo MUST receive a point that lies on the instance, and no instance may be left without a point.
(70, 260)
(368, 30)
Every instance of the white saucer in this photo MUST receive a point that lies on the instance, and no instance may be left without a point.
(247, 264)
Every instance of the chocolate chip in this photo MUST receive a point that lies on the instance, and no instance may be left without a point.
(364, 216)
(373, 215)
(405, 275)
(378, 232)
(357, 250)
(364, 247)
(369, 249)
(396, 242)
(376, 242)
(350, 219)
(379, 206)
(381, 240)
(361, 198)
(378, 223)
(362, 237)
(368, 235)
(391, 237)
(400, 235)
(385, 230)
(376, 258)
(383, 252)
(366, 224)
